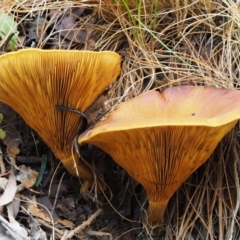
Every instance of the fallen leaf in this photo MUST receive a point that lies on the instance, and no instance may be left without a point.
(37, 29)
(46, 206)
(68, 28)
(13, 208)
(3, 183)
(12, 151)
(8, 26)
(17, 232)
(32, 207)
(10, 191)
(93, 111)
(65, 222)
(36, 232)
(26, 176)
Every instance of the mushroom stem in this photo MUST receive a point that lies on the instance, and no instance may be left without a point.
(78, 168)
(155, 216)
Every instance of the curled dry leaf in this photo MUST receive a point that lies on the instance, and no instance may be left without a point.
(27, 176)
(13, 151)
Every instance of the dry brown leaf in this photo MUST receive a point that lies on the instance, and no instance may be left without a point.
(65, 222)
(93, 111)
(37, 29)
(32, 207)
(27, 176)
(38, 213)
(45, 204)
(68, 29)
(12, 151)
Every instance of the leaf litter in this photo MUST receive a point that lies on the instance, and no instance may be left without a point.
(44, 29)
(145, 66)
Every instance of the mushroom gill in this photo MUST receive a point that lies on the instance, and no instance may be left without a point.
(160, 139)
(33, 82)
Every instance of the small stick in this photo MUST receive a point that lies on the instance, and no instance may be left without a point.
(84, 122)
(56, 197)
(98, 234)
(85, 223)
(64, 236)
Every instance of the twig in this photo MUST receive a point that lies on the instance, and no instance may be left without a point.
(85, 223)
(56, 197)
(98, 234)
(51, 227)
(64, 236)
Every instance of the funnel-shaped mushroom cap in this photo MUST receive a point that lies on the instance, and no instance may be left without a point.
(161, 138)
(34, 81)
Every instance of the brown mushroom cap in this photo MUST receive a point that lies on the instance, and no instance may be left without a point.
(162, 138)
(34, 81)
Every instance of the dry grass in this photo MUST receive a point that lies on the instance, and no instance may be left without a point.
(165, 43)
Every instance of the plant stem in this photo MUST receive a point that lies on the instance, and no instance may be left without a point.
(155, 216)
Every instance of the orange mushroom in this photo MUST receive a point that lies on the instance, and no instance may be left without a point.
(160, 139)
(33, 82)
